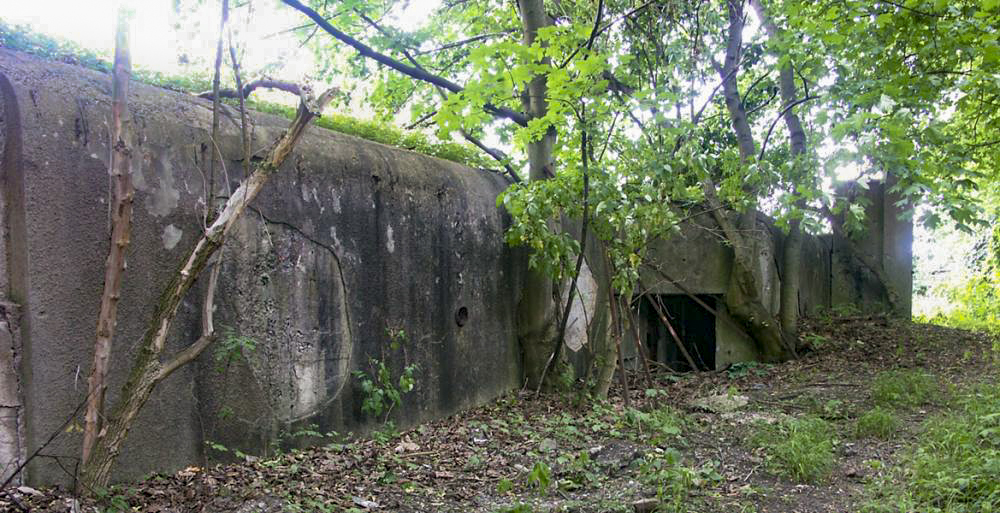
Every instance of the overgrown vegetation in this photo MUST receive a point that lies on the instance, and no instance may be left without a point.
(903, 388)
(877, 422)
(387, 134)
(797, 448)
(974, 303)
(953, 466)
(381, 391)
(232, 347)
(806, 421)
(673, 481)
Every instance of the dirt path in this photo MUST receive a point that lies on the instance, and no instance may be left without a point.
(668, 450)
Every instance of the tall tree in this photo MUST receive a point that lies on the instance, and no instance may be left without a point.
(743, 295)
(536, 310)
(801, 175)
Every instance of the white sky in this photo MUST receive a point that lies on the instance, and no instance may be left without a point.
(155, 45)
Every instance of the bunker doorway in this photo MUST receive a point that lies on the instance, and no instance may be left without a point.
(693, 324)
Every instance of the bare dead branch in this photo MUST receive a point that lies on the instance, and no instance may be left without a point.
(210, 193)
(244, 120)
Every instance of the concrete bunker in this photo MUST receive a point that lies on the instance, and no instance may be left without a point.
(352, 240)
(687, 280)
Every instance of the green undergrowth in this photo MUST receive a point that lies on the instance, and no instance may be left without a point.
(877, 423)
(801, 449)
(673, 481)
(22, 39)
(973, 303)
(903, 388)
(955, 463)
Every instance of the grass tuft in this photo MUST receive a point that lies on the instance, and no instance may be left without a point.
(903, 388)
(800, 449)
(878, 423)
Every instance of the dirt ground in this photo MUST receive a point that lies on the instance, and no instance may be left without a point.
(558, 453)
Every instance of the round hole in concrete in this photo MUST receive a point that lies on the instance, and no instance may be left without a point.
(461, 316)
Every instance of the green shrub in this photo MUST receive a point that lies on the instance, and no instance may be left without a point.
(898, 388)
(386, 134)
(877, 422)
(974, 302)
(800, 449)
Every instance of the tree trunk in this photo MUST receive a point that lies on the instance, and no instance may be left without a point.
(743, 292)
(121, 227)
(148, 370)
(729, 72)
(792, 254)
(791, 262)
(607, 362)
(536, 320)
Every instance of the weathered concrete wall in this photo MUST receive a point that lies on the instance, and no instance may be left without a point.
(12, 449)
(351, 239)
(888, 237)
(693, 257)
(696, 259)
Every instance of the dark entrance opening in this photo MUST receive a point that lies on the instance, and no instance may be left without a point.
(693, 324)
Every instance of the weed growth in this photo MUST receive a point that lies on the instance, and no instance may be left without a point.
(954, 465)
(877, 422)
(800, 449)
(232, 347)
(903, 388)
(674, 482)
(380, 391)
(540, 477)
(658, 426)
